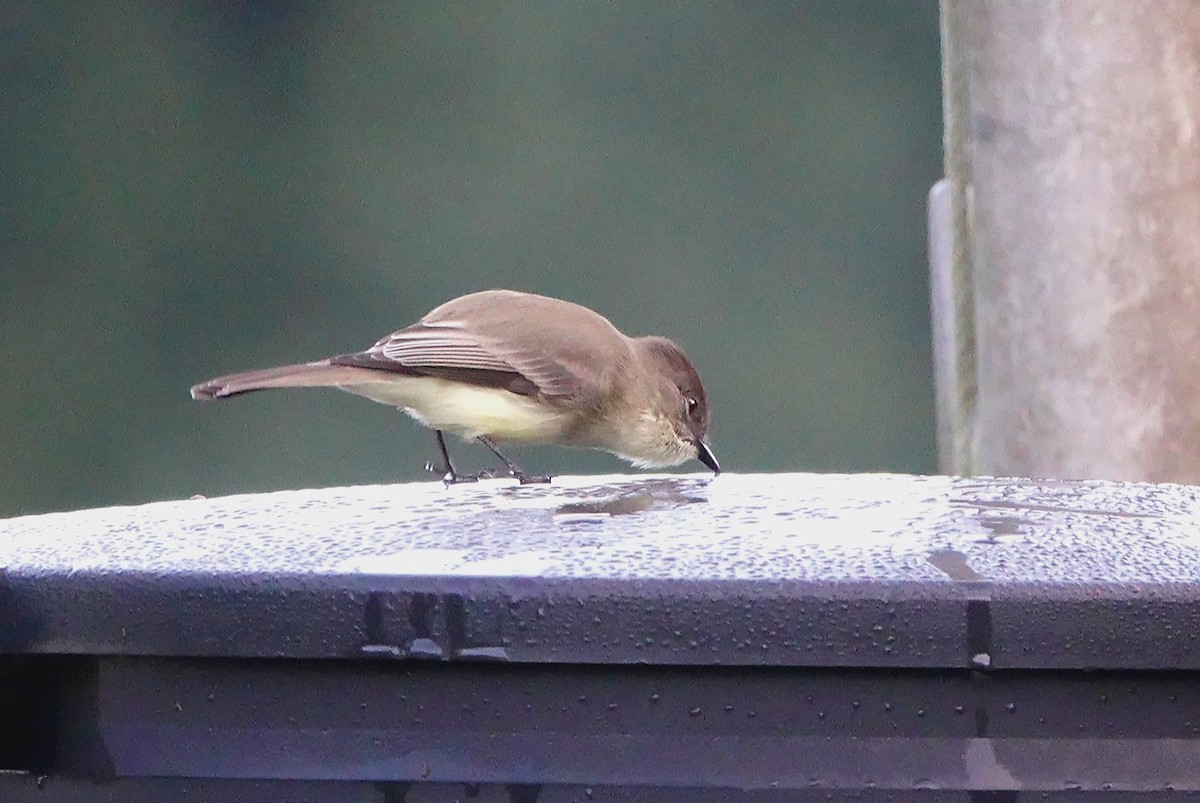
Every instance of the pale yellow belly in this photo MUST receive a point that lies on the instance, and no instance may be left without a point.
(468, 410)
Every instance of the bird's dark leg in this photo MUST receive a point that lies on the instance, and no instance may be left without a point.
(513, 468)
(446, 469)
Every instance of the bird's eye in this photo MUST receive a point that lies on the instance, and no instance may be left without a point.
(692, 404)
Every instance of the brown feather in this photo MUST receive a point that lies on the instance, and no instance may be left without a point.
(302, 375)
(502, 351)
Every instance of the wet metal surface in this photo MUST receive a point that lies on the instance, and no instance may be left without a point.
(781, 637)
(784, 569)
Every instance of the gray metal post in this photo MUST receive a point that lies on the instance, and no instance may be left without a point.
(1084, 189)
(953, 300)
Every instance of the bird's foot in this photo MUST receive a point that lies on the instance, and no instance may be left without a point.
(512, 469)
(530, 479)
(515, 473)
(452, 477)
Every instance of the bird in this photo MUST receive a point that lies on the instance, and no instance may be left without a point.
(501, 366)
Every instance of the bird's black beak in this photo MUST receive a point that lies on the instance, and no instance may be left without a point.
(704, 455)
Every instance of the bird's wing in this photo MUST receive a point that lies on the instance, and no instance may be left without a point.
(449, 351)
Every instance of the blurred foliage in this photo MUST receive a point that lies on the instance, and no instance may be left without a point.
(194, 188)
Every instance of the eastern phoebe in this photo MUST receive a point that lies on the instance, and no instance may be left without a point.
(522, 368)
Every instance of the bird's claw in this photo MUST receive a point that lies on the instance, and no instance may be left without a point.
(449, 476)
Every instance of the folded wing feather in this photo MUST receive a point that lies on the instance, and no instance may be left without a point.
(447, 351)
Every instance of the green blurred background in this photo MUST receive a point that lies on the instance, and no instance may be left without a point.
(194, 188)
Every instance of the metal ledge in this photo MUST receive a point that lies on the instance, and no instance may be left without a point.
(763, 638)
(775, 570)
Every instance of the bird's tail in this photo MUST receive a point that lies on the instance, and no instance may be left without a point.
(303, 375)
